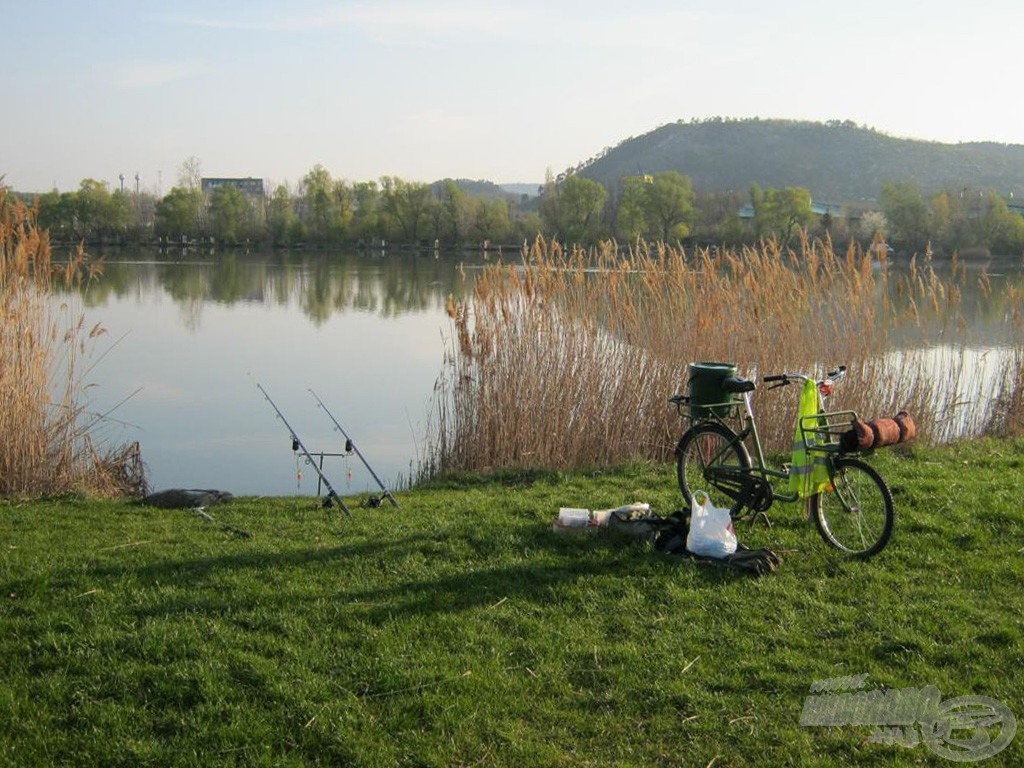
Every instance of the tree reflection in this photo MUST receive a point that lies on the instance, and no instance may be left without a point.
(320, 285)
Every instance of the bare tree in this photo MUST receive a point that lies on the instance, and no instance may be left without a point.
(190, 173)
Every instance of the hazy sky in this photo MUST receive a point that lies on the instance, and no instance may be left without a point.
(483, 89)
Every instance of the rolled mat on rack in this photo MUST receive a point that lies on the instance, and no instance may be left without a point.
(878, 433)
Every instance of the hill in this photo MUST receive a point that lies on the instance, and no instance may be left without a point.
(473, 188)
(835, 160)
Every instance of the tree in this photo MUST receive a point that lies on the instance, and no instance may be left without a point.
(320, 209)
(780, 213)
(630, 221)
(283, 224)
(454, 213)
(571, 209)
(873, 225)
(97, 213)
(343, 200)
(177, 214)
(366, 204)
(190, 173)
(227, 213)
(996, 228)
(57, 213)
(716, 217)
(406, 205)
(669, 205)
(907, 214)
(491, 220)
(942, 221)
(757, 203)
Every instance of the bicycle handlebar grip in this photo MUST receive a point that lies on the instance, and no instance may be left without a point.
(777, 377)
(837, 373)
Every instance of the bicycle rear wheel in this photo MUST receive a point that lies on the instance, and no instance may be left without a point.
(704, 447)
(856, 514)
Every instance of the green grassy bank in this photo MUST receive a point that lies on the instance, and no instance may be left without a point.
(460, 630)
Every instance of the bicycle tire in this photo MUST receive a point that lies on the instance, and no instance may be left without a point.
(698, 446)
(856, 514)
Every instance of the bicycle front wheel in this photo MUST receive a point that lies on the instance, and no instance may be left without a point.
(704, 447)
(855, 515)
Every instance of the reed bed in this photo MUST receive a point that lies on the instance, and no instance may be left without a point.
(51, 445)
(567, 358)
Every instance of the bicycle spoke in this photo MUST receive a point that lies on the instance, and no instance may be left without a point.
(850, 504)
(703, 448)
(856, 514)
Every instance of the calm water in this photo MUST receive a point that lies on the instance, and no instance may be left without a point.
(367, 333)
(184, 334)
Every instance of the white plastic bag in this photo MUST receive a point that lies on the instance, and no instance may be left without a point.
(711, 532)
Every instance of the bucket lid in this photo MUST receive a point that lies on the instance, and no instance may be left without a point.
(713, 368)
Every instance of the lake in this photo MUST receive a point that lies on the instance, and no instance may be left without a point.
(188, 337)
(190, 334)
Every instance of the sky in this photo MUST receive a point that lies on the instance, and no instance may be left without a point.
(501, 90)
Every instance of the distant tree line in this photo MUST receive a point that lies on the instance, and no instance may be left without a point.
(950, 221)
(325, 211)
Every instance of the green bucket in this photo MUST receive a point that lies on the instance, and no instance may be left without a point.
(705, 388)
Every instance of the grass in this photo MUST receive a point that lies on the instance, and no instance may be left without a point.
(461, 630)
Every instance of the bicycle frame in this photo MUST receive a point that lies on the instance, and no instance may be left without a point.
(760, 467)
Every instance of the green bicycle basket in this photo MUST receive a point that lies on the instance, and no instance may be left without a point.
(705, 388)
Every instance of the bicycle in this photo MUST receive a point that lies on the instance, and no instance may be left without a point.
(852, 508)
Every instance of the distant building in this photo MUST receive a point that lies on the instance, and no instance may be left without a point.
(247, 186)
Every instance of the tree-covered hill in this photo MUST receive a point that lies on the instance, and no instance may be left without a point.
(474, 188)
(835, 160)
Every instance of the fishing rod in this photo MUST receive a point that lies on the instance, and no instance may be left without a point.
(298, 445)
(350, 447)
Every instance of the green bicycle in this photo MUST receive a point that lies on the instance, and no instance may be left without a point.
(848, 500)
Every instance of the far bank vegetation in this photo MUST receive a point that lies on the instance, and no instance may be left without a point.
(323, 211)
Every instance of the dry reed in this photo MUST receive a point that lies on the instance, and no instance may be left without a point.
(567, 358)
(49, 447)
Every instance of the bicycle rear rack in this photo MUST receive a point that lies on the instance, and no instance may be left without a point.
(728, 409)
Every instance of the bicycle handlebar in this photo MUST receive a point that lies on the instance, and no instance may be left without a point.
(786, 378)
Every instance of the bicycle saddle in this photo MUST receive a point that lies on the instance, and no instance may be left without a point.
(737, 385)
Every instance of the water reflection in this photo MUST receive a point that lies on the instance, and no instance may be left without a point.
(319, 284)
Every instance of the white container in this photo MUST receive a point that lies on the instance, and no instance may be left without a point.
(570, 517)
(602, 516)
